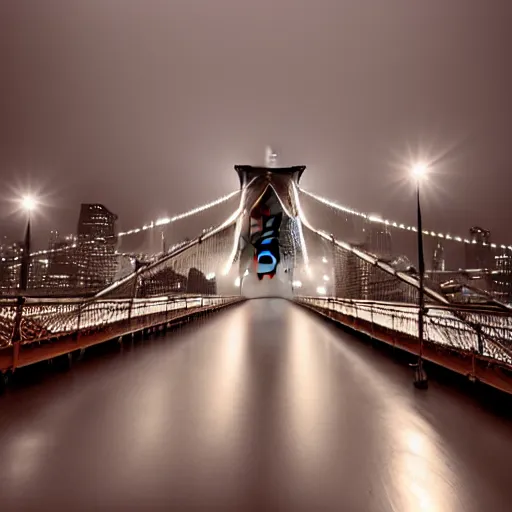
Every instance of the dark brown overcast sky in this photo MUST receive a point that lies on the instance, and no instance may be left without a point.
(146, 105)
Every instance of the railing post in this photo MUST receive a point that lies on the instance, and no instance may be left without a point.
(479, 349)
(16, 334)
(393, 332)
(78, 320)
(371, 317)
(472, 377)
(132, 300)
(333, 264)
(478, 328)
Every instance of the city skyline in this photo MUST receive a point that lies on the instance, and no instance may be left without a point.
(90, 258)
(376, 232)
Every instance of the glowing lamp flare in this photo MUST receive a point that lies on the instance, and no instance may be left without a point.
(419, 170)
(28, 203)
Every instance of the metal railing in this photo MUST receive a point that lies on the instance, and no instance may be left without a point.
(486, 332)
(45, 319)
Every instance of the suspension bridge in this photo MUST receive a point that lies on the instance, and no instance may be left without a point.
(260, 406)
(334, 272)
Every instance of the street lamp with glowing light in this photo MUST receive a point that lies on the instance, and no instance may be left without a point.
(28, 203)
(419, 172)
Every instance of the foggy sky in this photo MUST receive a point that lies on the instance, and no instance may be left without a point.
(146, 106)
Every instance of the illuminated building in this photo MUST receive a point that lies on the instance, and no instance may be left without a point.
(10, 260)
(438, 261)
(96, 246)
(478, 250)
(62, 264)
(10, 264)
(38, 274)
(378, 240)
(502, 277)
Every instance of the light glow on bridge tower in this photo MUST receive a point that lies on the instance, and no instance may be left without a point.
(270, 158)
(274, 188)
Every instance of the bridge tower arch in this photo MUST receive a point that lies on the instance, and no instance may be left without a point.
(269, 191)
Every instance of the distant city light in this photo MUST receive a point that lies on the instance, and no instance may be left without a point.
(324, 260)
(237, 281)
(326, 278)
(321, 290)
(297, 284)
(210, 276)
(246, 273)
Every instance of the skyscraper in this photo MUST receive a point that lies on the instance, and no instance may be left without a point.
(438, 261)
(378, 240)
(10, 259)
(478, 251)
(502, 277)
(96, 246)
(96, 221)
(62, 263)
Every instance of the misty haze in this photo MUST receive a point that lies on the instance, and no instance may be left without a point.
(255, 256)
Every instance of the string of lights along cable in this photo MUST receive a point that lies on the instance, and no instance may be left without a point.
(154, 224)
(378, 220)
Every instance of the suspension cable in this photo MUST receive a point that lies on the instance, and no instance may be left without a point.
(159, 222)
(373, 218)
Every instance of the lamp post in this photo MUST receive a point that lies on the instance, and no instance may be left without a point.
(420, 377)
(28, 204)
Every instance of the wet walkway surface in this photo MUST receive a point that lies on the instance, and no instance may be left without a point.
(262, 407)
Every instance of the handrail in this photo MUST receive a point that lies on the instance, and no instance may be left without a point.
(441, 307)
(486, 330)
